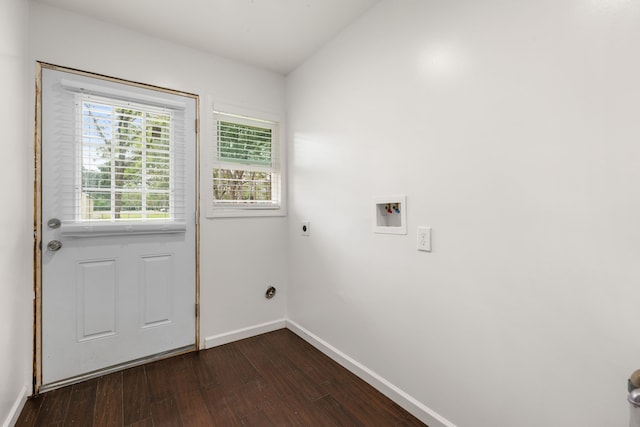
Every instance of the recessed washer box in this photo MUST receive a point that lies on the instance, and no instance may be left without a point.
(390, 215)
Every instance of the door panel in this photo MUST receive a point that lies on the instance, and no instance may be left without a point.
(156, 282)
(118, 172)
(97, 284)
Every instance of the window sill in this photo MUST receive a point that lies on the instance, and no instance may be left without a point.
(121, 229)
(245, 212)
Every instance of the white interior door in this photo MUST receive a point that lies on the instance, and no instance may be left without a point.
(118, 232)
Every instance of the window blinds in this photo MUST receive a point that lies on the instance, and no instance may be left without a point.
(129, 161)
(126, 161)
(246, 171)
(244, 144)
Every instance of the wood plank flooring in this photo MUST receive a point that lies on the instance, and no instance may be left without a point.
(275, 379)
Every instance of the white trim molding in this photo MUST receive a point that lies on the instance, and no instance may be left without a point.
(240, 334)
(12, 416)
(410, 404)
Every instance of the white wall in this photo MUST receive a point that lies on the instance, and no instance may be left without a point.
(16, 259)
(513, 129)
(232, 296)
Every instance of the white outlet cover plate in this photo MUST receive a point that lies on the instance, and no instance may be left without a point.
(424, 239)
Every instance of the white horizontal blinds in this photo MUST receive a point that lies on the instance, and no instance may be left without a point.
(246, 171)
(131, 161)
(60, 123)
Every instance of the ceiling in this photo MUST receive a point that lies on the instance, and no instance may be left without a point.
(274, 34)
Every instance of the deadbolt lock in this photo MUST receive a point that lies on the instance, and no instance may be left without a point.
(54, 223)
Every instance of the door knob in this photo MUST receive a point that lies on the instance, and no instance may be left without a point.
(54, 245)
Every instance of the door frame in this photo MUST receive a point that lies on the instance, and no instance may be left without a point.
(37, 226)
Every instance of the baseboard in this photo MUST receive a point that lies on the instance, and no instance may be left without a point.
(13, 415)
(411, 405)
(243, 333)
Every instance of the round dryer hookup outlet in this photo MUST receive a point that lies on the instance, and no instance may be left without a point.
(271, 291)
(304, 228)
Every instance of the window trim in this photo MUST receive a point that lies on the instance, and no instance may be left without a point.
(240, 210)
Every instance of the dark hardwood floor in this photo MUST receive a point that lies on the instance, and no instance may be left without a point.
(275, 379)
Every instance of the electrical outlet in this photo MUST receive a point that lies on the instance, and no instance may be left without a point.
(424, 239)
(304, 228)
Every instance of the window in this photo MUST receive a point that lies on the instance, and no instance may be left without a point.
(117, 157)
(126, 157)
(246, 170)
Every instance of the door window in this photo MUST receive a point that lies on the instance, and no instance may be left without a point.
(127, 154)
